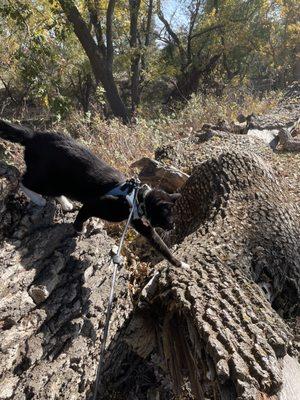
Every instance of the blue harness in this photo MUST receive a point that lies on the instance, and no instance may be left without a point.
(128, 190)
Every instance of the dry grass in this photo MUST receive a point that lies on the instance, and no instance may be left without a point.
(114, 142)
(121, 145)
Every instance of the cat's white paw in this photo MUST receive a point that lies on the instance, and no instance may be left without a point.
(66, 205)
(185, 265)
(151, 286)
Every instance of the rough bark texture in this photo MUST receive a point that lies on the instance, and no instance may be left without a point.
(211, 326)
(53, 295)
(239, 191)
(214, 326)
(217, 331)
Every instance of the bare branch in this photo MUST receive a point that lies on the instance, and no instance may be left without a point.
(206, 30)
(174, 36)
(168, 28)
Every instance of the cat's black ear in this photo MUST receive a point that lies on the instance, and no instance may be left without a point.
(175, 196)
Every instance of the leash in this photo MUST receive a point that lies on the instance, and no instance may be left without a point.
(117, 261)
(125, 189)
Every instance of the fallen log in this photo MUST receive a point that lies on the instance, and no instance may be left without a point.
(218, 328)
(214, 332)
(158, 175)
(286, 139)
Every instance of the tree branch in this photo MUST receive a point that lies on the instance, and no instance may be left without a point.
(95, 21)
(109, 39)
(149, 22)
(173, 36)
(134, 7)
(81, 30)
(211, 28)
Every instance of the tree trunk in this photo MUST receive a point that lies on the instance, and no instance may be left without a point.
(188, 82)
(113, 97)
(134, 7)
(101, 63)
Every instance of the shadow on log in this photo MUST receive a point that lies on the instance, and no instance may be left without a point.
(53, 294)
(218, 328)
(216, 331)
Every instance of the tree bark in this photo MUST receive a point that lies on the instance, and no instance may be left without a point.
(53, 299)
(134, 7)
(216, 331)
(213, 326)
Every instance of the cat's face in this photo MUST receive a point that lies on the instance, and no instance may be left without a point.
(159, 205)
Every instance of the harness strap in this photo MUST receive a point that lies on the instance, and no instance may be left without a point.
(141, 207)
(127, 190)
(120, 190)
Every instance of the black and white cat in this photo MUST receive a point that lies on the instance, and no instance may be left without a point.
(57, 166)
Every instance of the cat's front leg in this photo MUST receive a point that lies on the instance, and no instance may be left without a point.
(146, 230)
(83, 215)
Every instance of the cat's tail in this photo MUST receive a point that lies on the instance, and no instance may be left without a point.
(15, 133)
